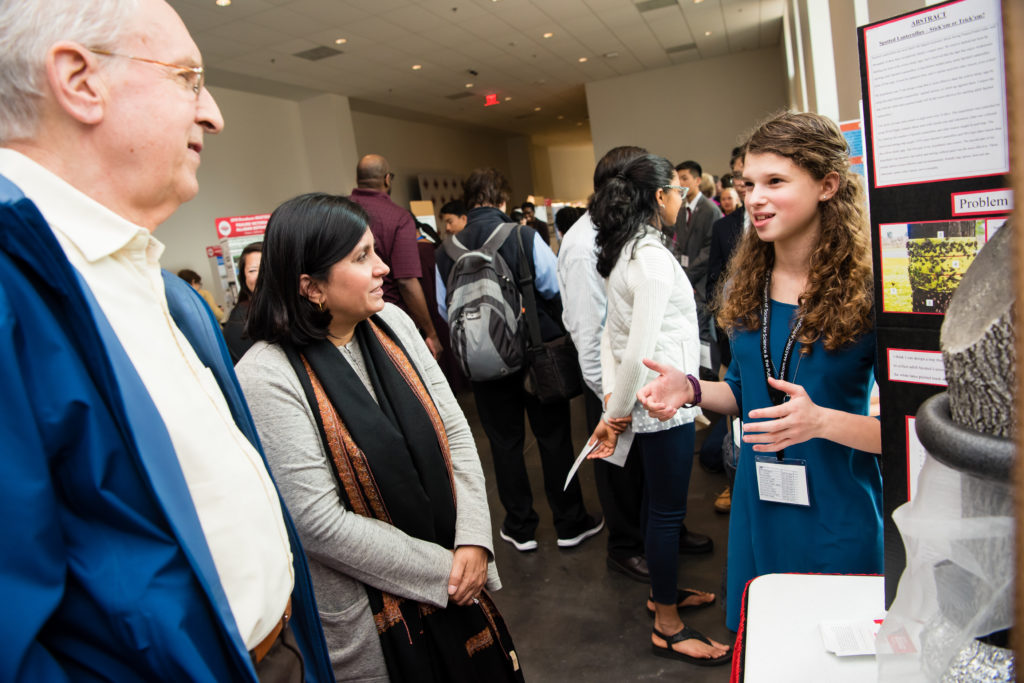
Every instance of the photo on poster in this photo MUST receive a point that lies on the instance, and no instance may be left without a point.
(923, 263)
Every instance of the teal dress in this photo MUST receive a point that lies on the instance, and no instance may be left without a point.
(841, 531)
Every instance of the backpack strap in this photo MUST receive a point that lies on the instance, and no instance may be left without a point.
(453, 248)
(529, 296)
(497, 238)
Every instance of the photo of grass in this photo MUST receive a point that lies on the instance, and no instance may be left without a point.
(923, 263)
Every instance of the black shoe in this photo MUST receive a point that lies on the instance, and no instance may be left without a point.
(591, 527)
(692, 543)
(523, 545)
(634, 567)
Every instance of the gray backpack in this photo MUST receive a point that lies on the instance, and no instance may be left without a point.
(485, 309)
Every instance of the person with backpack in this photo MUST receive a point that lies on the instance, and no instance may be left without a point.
(493, 356)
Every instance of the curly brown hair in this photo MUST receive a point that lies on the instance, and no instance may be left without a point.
(837, 305)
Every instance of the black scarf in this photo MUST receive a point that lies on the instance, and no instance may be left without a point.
(392, 463)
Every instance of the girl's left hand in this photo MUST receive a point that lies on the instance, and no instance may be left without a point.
(795, 421)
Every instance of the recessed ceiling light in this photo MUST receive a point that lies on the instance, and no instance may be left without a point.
(560, 117)
(341, 41)
(611, 55)
(536, 108)
(223, 3)
(469, 85)
(707, 33)
(579, 123)
(417, 67)
(548, 34)
(582, 59)
(508, 98)
(697, 2)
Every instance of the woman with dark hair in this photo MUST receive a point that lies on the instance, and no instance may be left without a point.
(797, 304)
(651, 314)
(373, 457)
(248, 272)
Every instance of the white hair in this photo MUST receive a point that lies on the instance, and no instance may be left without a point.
(29, 29)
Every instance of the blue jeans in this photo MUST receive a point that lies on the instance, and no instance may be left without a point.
(668, 461)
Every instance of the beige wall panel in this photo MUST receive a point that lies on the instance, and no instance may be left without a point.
(695, 111)
(258, 161)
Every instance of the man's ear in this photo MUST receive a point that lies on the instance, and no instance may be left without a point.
(72, 73)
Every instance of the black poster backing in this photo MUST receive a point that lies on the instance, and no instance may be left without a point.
(916, 209)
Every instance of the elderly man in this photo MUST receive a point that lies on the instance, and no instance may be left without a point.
(394, 237)
(143, 538)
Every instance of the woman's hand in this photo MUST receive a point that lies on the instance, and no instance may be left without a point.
(605, 437)
(618, 424)
(469, 574)
(666, 393)
(795, 421)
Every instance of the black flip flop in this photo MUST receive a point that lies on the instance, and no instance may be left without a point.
(687, 634)
(683, 594)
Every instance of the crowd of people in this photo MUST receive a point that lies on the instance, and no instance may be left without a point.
(306, 501)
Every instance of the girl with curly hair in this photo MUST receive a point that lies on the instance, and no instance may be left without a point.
(797, 303)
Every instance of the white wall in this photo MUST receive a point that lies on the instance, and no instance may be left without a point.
(255, 164)
(567, 171)
(413, 148)
(273, 149)
(697, 110)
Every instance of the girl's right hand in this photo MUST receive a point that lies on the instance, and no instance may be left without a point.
(666, 393)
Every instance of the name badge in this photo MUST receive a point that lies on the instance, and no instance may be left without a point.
(684, 261)
(782, 481)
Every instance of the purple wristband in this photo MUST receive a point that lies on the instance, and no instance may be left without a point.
(695, 383)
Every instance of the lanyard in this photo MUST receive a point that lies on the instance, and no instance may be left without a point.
(777, 396)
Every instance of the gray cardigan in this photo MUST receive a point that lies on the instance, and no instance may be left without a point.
(346, 550)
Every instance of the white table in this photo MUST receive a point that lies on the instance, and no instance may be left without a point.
(781, 637)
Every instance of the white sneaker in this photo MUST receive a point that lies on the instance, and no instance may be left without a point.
(584, 535)
(521, 546)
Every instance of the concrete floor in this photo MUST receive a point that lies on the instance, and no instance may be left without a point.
(572, 618)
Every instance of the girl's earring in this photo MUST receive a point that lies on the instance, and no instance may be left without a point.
(661, 205)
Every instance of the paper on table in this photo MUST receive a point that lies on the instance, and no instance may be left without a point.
(618, 457)
(848, 638)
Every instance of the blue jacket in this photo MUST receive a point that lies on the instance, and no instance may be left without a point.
(104, 570)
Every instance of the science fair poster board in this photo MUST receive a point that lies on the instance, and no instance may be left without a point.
(937, 158)
(235, 234)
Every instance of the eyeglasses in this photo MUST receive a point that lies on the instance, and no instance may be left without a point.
(194, 76)
(683, 191)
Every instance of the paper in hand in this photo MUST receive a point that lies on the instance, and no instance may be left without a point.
(618, 457)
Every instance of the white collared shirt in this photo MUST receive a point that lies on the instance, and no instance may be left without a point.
(583, 297)
(692, 206)
(234, 497)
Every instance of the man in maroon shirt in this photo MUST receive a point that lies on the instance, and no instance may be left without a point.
(394, 236)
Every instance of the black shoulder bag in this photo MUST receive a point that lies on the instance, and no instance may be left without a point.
(552, 367)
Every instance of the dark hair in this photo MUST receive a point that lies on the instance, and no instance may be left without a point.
(692, 167)
(565, 218)
(517, 214)
(527, 205)
(454, 207)
(625, 204)
(189, 276)
(244, 293)
(737, 154)
(486, 187)
(726, 180)
(613, 161)
(306, 235)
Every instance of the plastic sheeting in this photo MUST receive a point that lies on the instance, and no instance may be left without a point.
(958, 583)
